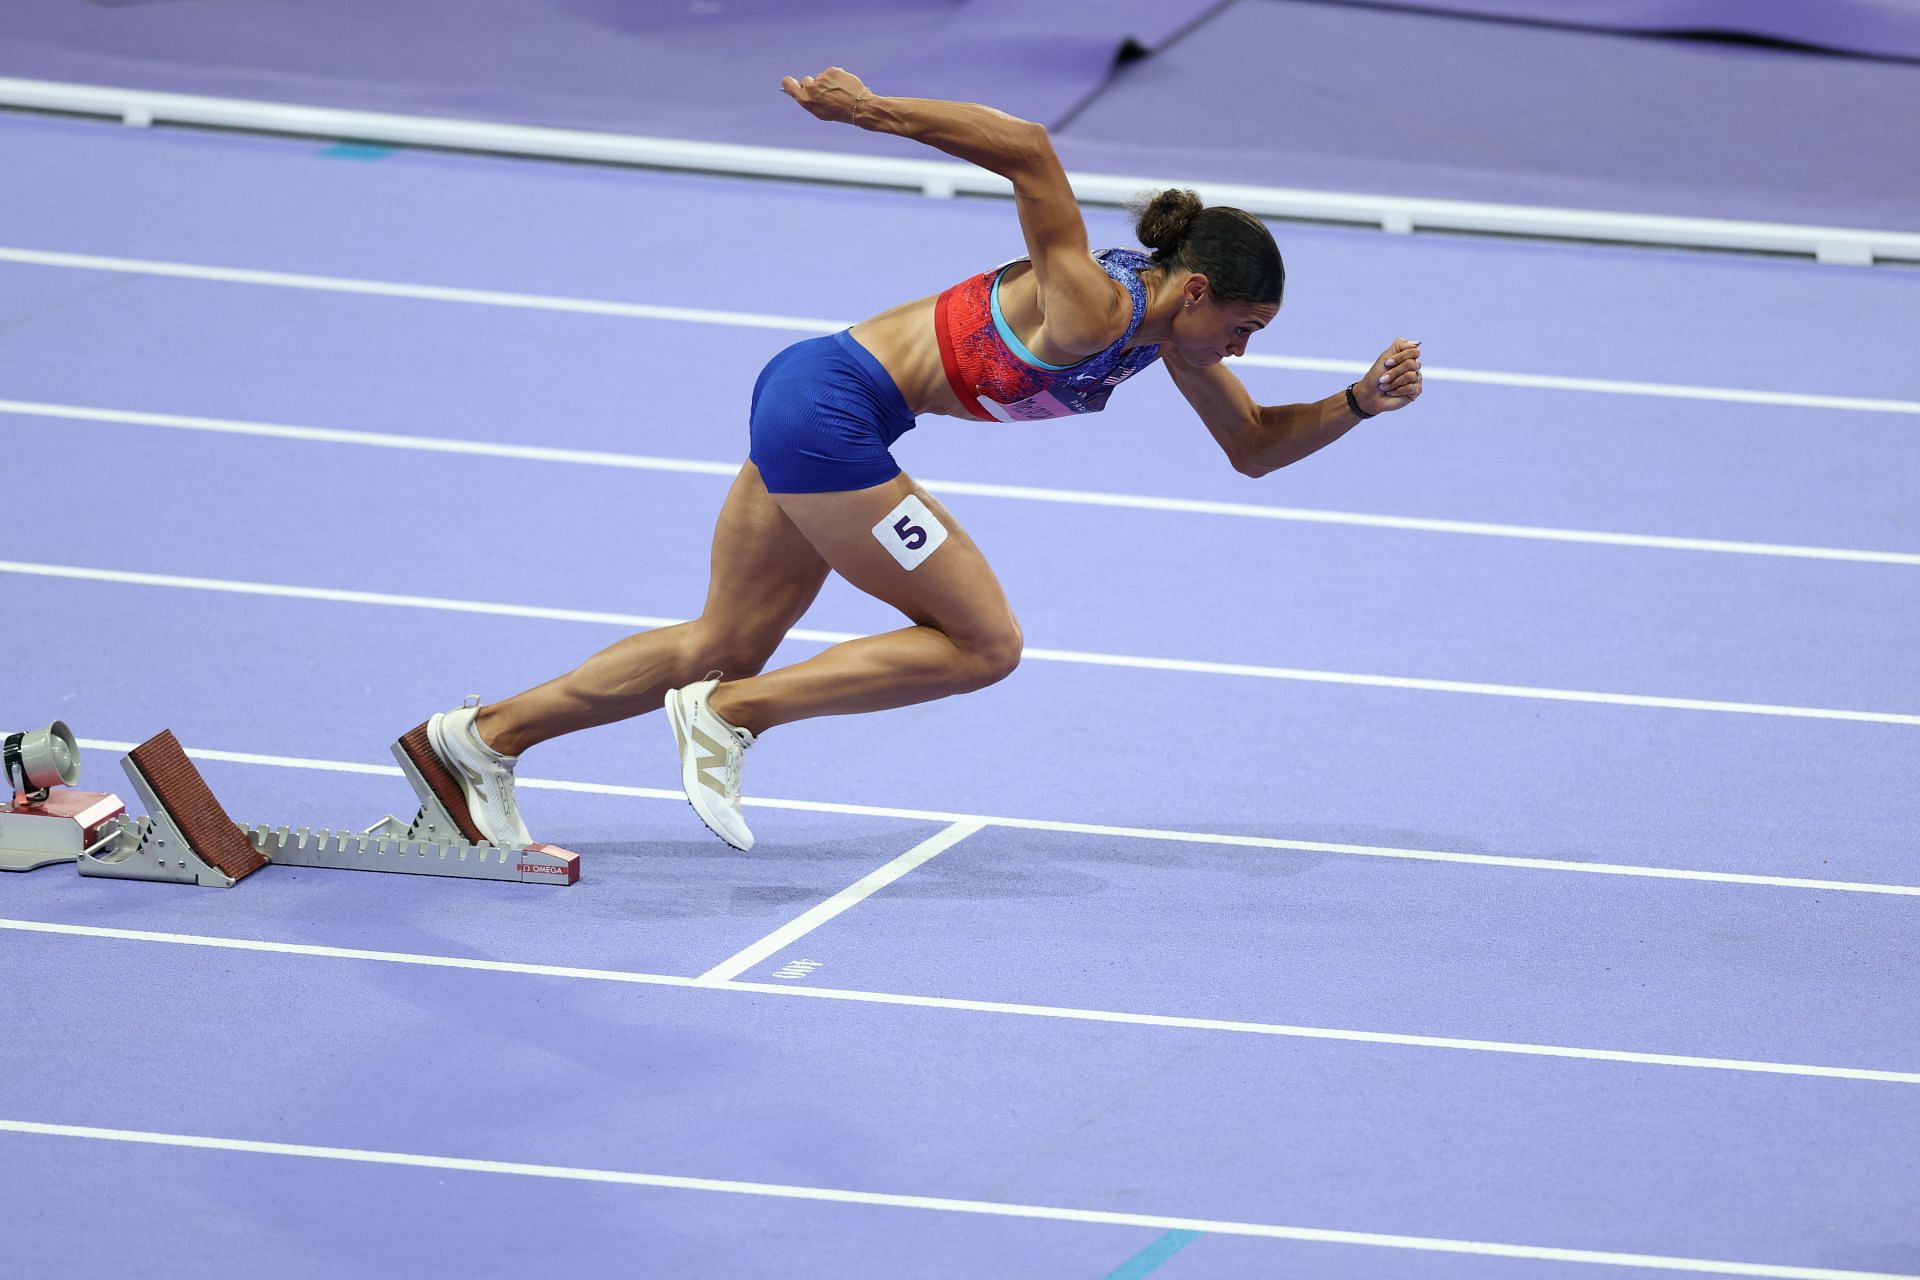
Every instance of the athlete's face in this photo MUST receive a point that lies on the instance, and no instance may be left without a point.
(1207, 332)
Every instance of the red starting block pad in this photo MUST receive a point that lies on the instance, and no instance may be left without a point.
(443, 809)
(187, 837)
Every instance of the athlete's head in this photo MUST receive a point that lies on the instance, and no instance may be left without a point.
(1224, 263)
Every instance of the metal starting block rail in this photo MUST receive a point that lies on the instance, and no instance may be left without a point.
(187, 837)
(378, 849)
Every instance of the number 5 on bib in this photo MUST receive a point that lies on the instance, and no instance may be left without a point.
(910, 532)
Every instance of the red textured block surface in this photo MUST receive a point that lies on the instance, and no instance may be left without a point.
(178, 786)
(443, 784)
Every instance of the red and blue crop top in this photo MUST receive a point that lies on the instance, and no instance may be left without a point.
(997, 378)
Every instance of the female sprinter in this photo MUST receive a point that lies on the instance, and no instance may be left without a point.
(1049, 335)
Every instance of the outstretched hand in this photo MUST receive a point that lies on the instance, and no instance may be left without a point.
(831, 95)
(1394, 381)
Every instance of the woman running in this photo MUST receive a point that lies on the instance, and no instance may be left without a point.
(1048, 335)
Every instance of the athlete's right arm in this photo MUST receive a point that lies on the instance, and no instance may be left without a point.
(1084, 308)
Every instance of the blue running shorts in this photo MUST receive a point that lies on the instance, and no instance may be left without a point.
(824, 413)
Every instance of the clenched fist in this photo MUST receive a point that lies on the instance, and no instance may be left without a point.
(831, 95)
(1393, 382)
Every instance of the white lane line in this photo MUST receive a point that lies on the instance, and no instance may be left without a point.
(1422, 524)
(1084, 828)
(368, 439)
(1080, 657)
(936, 1204)
(1001, 1007)
(337, 596)
(1025, 493)
(572, 972)
(418, 292)
(1423, 684)
(1521, 1048)
(854, 894)
(1602, 386)
(805, 324)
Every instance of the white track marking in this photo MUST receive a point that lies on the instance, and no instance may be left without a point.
(1084, 828)
(936, 1204)
(336, 596)
(1025, 493)
(1079, 657)
(1420, 524)
(418, 292)
(368, 439)
(1465, 686)
(1007, 1008)
(311, 950)
(1177, 1022)
(803, 324)
(854, 894)
(1601, 386)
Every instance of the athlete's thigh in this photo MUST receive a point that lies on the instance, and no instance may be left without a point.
(765, 571)
(858, 533)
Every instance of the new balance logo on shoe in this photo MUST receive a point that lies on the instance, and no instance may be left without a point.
(710, 751)
(712, 756)
(484, 794)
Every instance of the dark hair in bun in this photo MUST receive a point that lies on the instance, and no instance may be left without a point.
(1230, 247)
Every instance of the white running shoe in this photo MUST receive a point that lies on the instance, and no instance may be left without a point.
(710, 754)
(485, 776)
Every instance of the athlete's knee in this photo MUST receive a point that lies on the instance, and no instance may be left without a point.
(994, 653)
(743, 656)
(738, 650)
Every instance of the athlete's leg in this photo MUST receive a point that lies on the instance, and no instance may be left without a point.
(964, 636)
(765, 573)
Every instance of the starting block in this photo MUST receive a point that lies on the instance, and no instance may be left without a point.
(187, 837)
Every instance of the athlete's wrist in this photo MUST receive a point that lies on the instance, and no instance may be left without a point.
(877, 113)
(1355, 407)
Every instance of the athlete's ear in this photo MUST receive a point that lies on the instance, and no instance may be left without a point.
(1194, 291)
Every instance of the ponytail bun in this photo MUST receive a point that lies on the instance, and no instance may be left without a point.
(1164, 220)
(1230, 247)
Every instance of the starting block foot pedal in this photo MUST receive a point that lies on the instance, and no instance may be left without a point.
(444, 814)
(443, 838)
(187, 838)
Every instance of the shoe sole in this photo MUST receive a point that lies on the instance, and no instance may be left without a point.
(690, 773)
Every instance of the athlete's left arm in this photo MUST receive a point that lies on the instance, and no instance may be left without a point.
(1262, 438)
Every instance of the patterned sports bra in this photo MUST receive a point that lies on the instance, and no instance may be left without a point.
(997, 378)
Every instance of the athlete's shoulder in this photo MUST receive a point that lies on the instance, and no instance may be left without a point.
(1124, 266)
(1129, 259)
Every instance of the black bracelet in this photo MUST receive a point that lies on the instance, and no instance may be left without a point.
(1354, 404)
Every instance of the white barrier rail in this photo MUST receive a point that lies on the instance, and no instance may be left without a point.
(943, 179)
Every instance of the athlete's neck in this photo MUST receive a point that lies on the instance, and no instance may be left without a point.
(1165, 297)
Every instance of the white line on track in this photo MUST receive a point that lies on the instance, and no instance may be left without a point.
(417, 292)
(1603, 386)
(937, 1204)
(1078, 657)
(1002, 1007)
(804, 324)
(1085, 828)
(854, 894)
(1027, 493)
